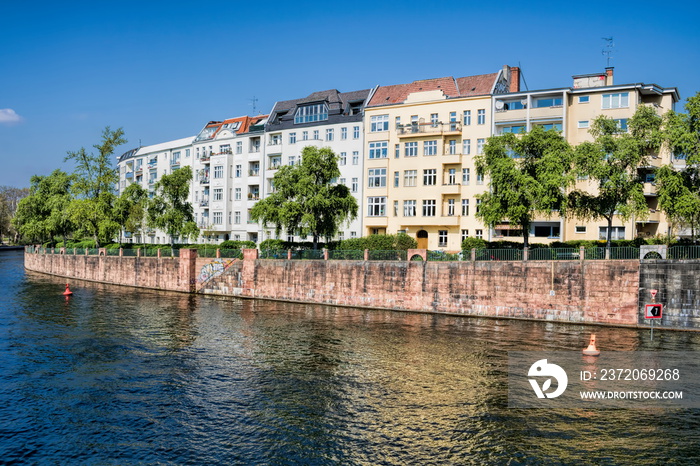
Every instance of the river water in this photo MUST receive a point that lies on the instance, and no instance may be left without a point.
(115, 375)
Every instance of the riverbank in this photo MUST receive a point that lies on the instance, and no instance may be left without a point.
(603, 292)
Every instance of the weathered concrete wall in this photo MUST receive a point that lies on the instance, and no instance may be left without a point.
(678, 288)
(606, 292)
(591, 292)
(148, 272)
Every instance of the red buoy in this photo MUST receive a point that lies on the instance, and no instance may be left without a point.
(68, 292)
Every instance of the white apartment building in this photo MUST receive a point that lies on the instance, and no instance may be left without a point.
(323, 119)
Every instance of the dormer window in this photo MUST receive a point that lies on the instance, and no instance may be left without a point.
(311, 113)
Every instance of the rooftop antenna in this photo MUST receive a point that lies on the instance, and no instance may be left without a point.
(608, 50)
(254, 101)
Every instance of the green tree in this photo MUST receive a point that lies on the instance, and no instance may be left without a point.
(43, 213)
(169, 209)
(92, 207)
(528, 176)
(679, 189)
(130, 209)
(611, 162)
(9, 199)
(305, 199)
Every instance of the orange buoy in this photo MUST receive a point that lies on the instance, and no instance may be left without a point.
(68, 292)
(591, 350)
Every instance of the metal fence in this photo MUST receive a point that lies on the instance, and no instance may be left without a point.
(683, 252)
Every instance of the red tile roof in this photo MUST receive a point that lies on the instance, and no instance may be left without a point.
(451, 87)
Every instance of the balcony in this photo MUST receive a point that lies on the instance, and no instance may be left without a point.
(152, 165)
(451, 188)
(653, 217)
(204, 202)
(203, 180)
(428, 129)
(373, 222)
(129, 175)
(255, 172)
(205, 158)
(649, 188)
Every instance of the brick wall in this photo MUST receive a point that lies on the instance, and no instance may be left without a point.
(678, 289)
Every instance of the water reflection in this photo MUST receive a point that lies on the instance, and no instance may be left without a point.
(119, 375)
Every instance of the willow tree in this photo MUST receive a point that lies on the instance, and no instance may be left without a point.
(611, 163)
(95, 178)
(169, 210)
(528, 175)
(306, 200)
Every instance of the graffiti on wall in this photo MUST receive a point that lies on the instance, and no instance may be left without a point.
(214, 269)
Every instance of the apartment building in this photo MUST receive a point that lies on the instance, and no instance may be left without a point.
(571, 111)
(323, 119)
(227, 158)
(421, 138)
(145, 166)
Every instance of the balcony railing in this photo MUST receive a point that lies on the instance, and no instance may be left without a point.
(204, 202)
(418, 129)
(204, 180)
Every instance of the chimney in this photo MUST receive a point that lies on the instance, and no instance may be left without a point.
(609, 75)
(514, 80)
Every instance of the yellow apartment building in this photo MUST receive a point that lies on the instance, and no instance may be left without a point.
(419, 174)
(421, 138)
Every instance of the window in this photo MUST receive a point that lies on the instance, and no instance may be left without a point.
(617, 233)
(275, 162)
(397, 178)
(467, 117)
(478, 205)
(356, 132)
(329, 134)
(341, 181)
(479, 233)
(547, 231)
(239, 171)
(451, 176)
(379, 123)
(376, 206)
(450, 207)
(452, 146)
(480, 146)
(583, 124)
(343, 158)
(218, 218)
(316, 135)
(481, 117)
(619, 100)
(583, 99)
(409, 208)
(311, 113)
(292, 138)
(442, 238)
(304, 135)
(466, 174)
(378, 150)
(517, 129)
(397, 151)
(237, 217)
(411, 149)
(219, 171)
(453, 121)
(434, 120)
(238, 194)
(465, 207)
(410, 177)
(377, 177)
(354, 185)
(292, 160)
(580, 229)
(430, 148)
(343, 133)
(514, 105)
(239, 147)
(622, 124)
(218, 194)
(355, 157)
(467, 147)
(429, 206)
(548, 102)
(430, 177)
(548, 126)
(465, 234)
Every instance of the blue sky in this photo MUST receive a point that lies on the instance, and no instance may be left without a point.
(161, 70)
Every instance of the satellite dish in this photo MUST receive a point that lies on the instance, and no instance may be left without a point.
(524, 102)
(499, 105)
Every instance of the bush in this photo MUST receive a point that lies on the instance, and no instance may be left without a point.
(473, 243)
(404, 242)
(271, 244)
(236, 245)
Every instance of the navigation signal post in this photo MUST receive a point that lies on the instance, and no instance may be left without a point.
(653, 311)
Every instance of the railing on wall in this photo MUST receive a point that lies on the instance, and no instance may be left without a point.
(536, 254)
